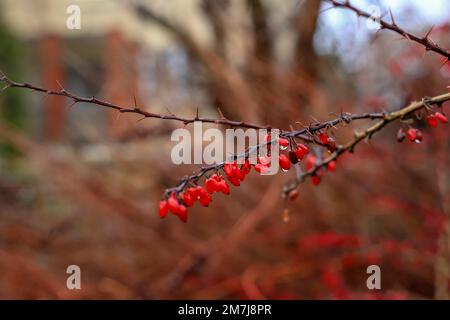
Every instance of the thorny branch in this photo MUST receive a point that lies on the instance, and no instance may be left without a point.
(122, 109)
(424, 41)
(307, 134)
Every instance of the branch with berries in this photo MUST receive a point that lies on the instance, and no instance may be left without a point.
(296, 145)
(189, 190)
(315, 168)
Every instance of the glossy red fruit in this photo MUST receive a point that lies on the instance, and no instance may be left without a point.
(323, 137)
(172, 204)
(234, 181)
(228, 169)
(193, 193)
(205, 199)
(411, 134)
(283, 142)
(331, 166)
(432, 120)
(301, 151)
(182, 213)
(163, 208)
(246, 167)
(261, 168)
(285, 164)
(223, 187)
(293, 194)
(187, 199)
(315, 180)
(441, 117)
(211, 185)
(304, 148)
(310, 162)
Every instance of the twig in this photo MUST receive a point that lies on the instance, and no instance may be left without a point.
(424, 41)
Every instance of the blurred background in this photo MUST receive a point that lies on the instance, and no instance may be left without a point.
(80, 185)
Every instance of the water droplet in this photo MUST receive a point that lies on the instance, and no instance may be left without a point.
(283, 148)
(284, 170)
(417, 141)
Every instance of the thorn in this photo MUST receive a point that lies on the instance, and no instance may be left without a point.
(72, 104)
(135, 103)
(392, 18)
(196, 114)
(170, 112)
(220, 113)
(60, 86)
(141, 119)
(428, 34)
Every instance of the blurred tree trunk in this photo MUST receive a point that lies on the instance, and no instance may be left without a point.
(232, 90)
(306, 61)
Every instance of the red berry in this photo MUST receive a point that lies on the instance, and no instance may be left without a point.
(172, 204)
(182, 213)
(205, 198)
(310, 162)
(315, 180)
(285, 164)
(331, 166)
(293, 157)
(441, 117)
(246, 167)
(261, 168)
(238, 173)
(223, 187)
(193, 193)
(211, 185)
(163, 208)
(283, 142)
(411, 134)
(228, 169)
(293, 194)
(432, 120)
(323, 137)
(234, 181)
(301, 151)
(304, 148)
(187, 199)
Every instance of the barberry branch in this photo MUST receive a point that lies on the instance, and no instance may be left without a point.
(366, 134)
(424, 41)
(122, 109)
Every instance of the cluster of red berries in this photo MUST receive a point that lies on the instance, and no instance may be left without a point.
(216, 183)
(434, 119)
(415, 135)
(235, 174)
